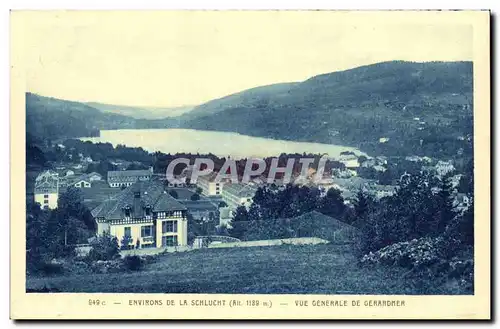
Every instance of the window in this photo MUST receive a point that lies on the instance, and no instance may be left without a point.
(169, 241)
(46, 196)
(148, 212)
(127, 211)
(128, 232)
(45, 201)
(146, 231)
(169, 226)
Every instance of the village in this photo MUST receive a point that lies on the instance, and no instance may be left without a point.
(143, 210)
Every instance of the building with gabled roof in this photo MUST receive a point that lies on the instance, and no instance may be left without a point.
(144, 213)
(47, 189)
(124, 178)
(238, 194)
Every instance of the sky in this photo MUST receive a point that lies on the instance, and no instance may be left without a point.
(168, 59)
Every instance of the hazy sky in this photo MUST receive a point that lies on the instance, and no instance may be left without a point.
(171, 58)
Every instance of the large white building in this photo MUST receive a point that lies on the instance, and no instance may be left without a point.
(47, 189)
(144, 213)
(236, 195)
(208, 186)
(125, 178)
(349, 160)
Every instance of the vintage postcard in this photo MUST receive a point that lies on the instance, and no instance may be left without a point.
(250, 165)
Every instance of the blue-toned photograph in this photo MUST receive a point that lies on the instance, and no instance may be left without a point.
(198, 152)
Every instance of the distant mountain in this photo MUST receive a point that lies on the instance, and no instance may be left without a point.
(55, 118)
(141, 112)
(418, 107)
(248, 98)
(390, 108)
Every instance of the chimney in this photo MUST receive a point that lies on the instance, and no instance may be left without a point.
(137, 203)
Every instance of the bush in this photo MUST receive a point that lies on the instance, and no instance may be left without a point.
(51, 268)
(133, 263)
(107, 266)
(411, 254)
(104, 247)
(429, 259)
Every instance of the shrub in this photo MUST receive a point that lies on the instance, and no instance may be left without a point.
(125, 242)
(107, 266)
(104, 247)
(411, 254)
(429, 258)
(51, 268)
(133, 263)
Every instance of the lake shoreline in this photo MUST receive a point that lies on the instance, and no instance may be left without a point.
(219, 143)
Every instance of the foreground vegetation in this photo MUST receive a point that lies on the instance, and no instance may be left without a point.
(319, 269)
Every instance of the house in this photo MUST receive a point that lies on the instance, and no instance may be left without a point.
(383, 139)
(87, 159)
(349, 160)
(93, 176)
(238, 194)
(346, 173)
(69, 173)
(124, 178)
(47, 189)
(202, 210)
(82, 182)
(145, 214)
(208, 185)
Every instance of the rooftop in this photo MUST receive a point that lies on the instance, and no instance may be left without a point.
(121, 173)
(200, 205)
(240, 190)
(138, 196)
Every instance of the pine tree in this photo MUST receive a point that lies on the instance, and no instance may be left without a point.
(239, 223)
(332, 204)
(362, 204)
(444, 205)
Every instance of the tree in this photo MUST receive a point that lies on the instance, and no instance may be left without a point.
(462, 227)
(104, 247)
(126, 241)
(70, 204)
(173, 193)
(332, 204)
(239, 222)
(101, 167)
(195, 197)
(444, 205)
(362, 204)
(362, 159)
(137, 166)
(37, 239)
(199, 190)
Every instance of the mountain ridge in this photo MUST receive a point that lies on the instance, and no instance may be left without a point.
(354, 107)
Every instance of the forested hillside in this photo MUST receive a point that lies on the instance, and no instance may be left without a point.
(422, 108)
(51, 118)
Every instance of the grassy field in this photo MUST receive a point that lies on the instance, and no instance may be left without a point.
(319, 269)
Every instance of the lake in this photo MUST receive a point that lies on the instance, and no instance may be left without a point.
(222, 144)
